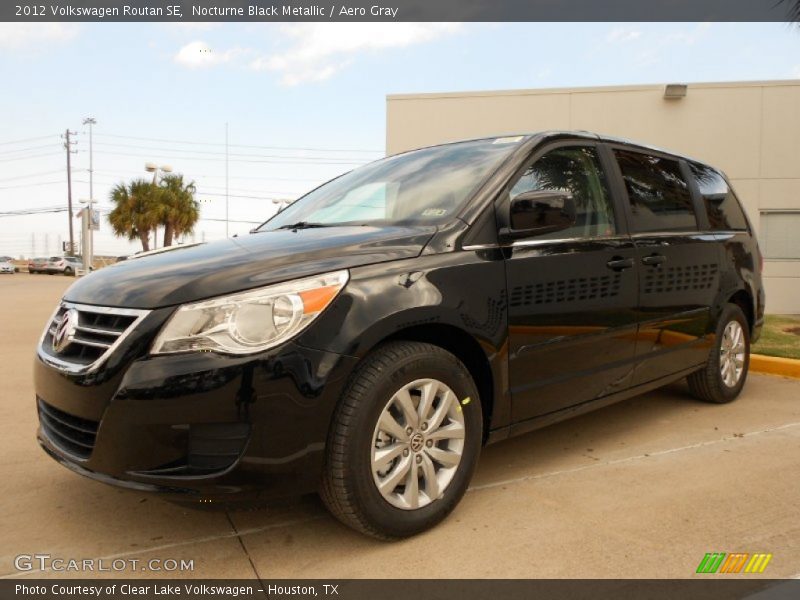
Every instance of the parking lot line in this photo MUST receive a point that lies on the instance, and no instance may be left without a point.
(627, 459)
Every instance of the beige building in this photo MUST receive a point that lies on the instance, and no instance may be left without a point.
(751, 130)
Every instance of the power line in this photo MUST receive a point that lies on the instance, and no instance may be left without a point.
(198, 143)
(240, 196)
(33, 211)
(152, 149)
(30, 139)
(308, 161)
(200, 187)
(32, 175)
(26, 149)
(27, 157)
(205, 175)
(27, 185)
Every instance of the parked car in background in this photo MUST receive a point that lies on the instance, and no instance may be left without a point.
(9, 260)
(369, 339)
(6, 267)
(37, 265)
(66, 265)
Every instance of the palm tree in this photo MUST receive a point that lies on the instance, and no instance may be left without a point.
(135, 212)
(794, 9)
(178, 210)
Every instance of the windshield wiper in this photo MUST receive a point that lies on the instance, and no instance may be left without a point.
(303, 225)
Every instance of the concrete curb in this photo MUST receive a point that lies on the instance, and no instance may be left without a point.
(787, 367)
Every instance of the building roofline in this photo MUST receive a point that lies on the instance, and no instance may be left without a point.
(590, 89)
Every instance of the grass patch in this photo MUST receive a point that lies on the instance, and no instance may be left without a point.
(777, 337)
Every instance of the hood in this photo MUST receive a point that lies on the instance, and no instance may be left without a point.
(237, 264)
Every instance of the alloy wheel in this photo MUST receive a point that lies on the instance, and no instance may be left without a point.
(731, 354)
(418, 444)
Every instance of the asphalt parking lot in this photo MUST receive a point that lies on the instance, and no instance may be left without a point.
(640, 489)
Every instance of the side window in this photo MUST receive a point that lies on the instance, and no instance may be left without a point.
(576, 170)
(660, 198)
(724, 211)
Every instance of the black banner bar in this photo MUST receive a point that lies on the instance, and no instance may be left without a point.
(706, 588)
(399, 10)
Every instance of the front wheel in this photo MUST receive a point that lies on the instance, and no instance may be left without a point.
(725, 372)
(404, 441)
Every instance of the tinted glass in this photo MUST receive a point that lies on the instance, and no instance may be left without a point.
(576, 170)
(659, 196)
(724, 211)
(424, 186)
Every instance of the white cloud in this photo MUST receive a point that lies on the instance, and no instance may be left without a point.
(199, 54)
(620, 35)
(35, 35)
(317, 51)
(688, 38)
(796, 72)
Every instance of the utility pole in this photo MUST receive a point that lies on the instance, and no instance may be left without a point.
(226, 179)
(88, 257)
(68, 146)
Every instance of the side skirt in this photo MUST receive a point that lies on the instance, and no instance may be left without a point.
(584, 407)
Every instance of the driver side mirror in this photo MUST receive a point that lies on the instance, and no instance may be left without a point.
(543, 211)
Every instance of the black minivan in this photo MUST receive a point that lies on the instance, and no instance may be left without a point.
(366, 341)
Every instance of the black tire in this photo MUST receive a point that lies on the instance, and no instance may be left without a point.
(68, 271)
(348, 488)
(707, 384)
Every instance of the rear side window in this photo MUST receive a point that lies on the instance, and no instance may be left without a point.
(659, 196)
(724, 211)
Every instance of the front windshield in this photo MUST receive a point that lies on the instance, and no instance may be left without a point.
(420, 187)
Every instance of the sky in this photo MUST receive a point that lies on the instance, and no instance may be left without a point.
(302, 102)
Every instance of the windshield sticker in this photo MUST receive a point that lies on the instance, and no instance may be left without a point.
(508, 140)
(434, 212)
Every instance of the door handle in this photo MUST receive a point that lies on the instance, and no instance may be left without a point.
(619, 264)
(654, 260)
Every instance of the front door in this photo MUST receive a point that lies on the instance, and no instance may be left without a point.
(572, 294)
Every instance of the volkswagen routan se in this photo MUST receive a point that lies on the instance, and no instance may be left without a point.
(368, 340)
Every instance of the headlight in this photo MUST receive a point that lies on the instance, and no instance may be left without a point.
(250, 321)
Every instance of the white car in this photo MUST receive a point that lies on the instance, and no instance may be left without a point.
(6, 267)
(66, 265)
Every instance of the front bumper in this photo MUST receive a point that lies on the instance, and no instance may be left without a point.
(196, 425)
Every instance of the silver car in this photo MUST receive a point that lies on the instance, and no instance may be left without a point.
(66, 265)
(6, 267)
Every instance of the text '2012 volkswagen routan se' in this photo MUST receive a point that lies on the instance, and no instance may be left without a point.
(366, 341)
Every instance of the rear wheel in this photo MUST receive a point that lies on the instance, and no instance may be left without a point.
(68, 271)
(404, 441)
(725, 373)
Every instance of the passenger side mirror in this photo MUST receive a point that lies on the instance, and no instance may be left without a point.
(538, 212)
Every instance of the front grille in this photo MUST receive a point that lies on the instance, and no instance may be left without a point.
(73, 435)
(94, 332)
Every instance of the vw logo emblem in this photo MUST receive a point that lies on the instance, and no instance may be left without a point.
(417, 442)
(65, 332)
